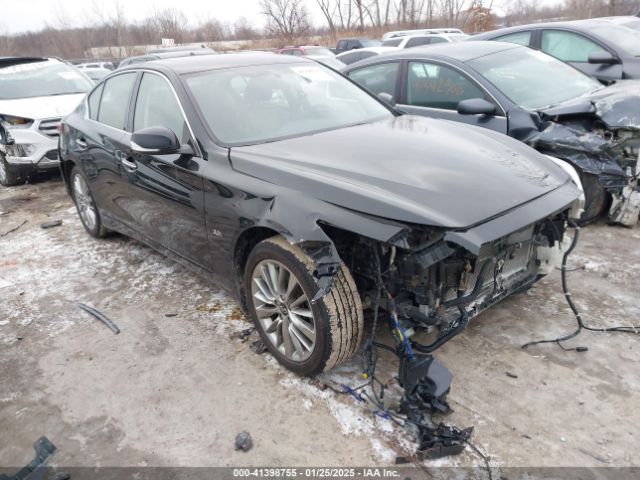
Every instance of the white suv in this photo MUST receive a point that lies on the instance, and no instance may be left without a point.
(409, 41)
(34, 94)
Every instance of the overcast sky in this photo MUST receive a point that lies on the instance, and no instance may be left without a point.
(23, 15)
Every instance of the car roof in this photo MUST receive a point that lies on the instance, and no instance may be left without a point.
(578, 25)
(461, 51)
(181, 48)
(199, 63)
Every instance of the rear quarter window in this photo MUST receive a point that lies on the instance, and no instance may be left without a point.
(519, 38)
(94, 102)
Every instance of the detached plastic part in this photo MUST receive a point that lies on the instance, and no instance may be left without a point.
(427, 382)
(442, 441)
(44, 451)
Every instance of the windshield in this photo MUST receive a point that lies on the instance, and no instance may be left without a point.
(318, 51)
(41, 79)
(262, 103)
(624, 38)
(533, 79)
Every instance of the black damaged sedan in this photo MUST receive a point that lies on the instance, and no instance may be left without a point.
(310, 201)
(529, 96)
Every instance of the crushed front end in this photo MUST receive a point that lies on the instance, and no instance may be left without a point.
(429, 284)
(600, 138)
(29, 145)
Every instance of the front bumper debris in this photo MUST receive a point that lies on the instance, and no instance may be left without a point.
(625, 206)
(31, 149)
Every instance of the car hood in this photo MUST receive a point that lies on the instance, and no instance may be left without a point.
(618, 105)
(409, 169)
(41, 107)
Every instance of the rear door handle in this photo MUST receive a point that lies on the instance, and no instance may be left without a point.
(129, 164)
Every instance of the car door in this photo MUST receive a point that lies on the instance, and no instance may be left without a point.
(168, 200)
(574, 49)
(101, 144)
(434, 89)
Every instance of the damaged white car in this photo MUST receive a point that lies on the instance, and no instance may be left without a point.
(34, 94)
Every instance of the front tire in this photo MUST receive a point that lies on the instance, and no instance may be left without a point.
(596, 198)
(85, 204)
(307, 338)
(8, 175)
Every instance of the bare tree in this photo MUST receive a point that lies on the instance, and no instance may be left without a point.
(328, 9)
(287, 18)
(168, 23)
(213, 30)
(244, 30)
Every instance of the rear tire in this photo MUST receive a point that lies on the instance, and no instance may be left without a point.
(8, 175)
(331, 328)
(85, 204)
(596, 198)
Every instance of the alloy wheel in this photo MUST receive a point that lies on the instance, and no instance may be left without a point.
(283, 310)
(84, 201)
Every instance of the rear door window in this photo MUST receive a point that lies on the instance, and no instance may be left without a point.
(379, 78)
(114, 103)
(568, 46)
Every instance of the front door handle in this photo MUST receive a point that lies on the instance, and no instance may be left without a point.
(81, 143)
(129, 164)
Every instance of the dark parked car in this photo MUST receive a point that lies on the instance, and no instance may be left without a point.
(301, 194)
(530, 96)
(346, 44)
(167, 53)
(598, 47)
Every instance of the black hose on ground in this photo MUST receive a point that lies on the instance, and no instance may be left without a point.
(574, 309)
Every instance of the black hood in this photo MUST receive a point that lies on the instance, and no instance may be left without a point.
(618, 105)
(410, 169)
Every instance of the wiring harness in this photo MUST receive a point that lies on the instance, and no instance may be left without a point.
(567, 295)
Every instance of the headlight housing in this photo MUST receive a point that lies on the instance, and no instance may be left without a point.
(19, 150)
(578, 209)
(9, 121)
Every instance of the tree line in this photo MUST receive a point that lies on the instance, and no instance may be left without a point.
(288, 21)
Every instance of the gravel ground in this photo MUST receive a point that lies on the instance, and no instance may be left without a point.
(174, 388)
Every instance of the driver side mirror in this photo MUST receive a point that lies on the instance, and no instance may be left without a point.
(603, 58)
(476, 106)
(387, 98)
(158, 141)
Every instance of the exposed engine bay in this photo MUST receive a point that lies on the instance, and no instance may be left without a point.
(435, 287)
